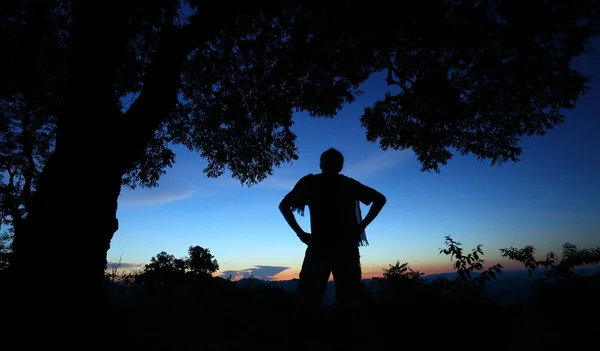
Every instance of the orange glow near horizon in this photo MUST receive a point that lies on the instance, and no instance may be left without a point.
(371, 271)
(368, 270)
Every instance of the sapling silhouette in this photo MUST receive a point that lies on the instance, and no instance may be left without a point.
(112, 274)
(472, 276)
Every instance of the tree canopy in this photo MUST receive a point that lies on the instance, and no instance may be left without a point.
(164, 268)
(472, 77)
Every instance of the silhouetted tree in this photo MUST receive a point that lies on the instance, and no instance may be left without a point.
(112, 274)
(165, 268)
(224, 80)
(572, 257)
(471, 276)
(26, 134)
(201, 261)
(162, 269)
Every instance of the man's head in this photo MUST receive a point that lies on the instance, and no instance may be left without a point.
(332, 161)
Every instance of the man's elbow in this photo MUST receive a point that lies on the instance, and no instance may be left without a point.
(283, 205)
(381, 200)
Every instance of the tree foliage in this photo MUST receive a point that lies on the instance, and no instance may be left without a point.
(485, 74)
(550, 268)
(200, 261)
(472, 76)
(165, 268)
(471, 275)
(26, 137)
(398, 284)
(401, 272)
(33, 69)
(5, 250)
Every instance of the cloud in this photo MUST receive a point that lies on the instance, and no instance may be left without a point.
(164, 193)
(260, 272)
(362, 169)
(279, 183)
(546, 214)
(123, 265)
(378, 162)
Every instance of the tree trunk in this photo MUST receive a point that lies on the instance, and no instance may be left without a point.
(57, 268)
(60, 253)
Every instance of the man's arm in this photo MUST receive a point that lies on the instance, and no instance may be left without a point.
(369, 196)
(376, 206)
(286, 210)
(297, 199)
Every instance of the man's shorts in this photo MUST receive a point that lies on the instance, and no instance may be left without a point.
(319, 263)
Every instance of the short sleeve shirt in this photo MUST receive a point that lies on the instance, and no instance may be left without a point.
(331, 200)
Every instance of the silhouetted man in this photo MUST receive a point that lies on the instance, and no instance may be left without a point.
(337, 230)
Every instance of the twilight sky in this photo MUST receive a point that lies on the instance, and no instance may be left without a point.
(548, 198)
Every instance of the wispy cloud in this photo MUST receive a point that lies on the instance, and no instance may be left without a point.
(160, 195)
(278, 183)
(260, 272)
(376, 163)
(369, 166)
(548, 214)
(123, 265)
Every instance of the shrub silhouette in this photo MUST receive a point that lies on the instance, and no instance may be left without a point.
(398, 284)
(402, 272)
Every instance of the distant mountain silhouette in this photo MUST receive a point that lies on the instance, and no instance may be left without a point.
(512, 287)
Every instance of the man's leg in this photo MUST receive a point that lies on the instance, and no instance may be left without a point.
(347, 275)
(309, 295)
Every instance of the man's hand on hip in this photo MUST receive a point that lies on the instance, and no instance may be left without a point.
(305, 237)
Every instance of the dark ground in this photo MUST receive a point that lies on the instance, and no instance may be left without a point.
(232, 318)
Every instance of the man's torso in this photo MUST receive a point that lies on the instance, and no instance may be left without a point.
(332, 204)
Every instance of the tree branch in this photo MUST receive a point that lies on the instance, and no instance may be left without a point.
(161, 80)
(28, 144)
(96, 50)
(10, 204)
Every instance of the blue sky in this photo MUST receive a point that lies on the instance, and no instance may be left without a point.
(548, 198)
